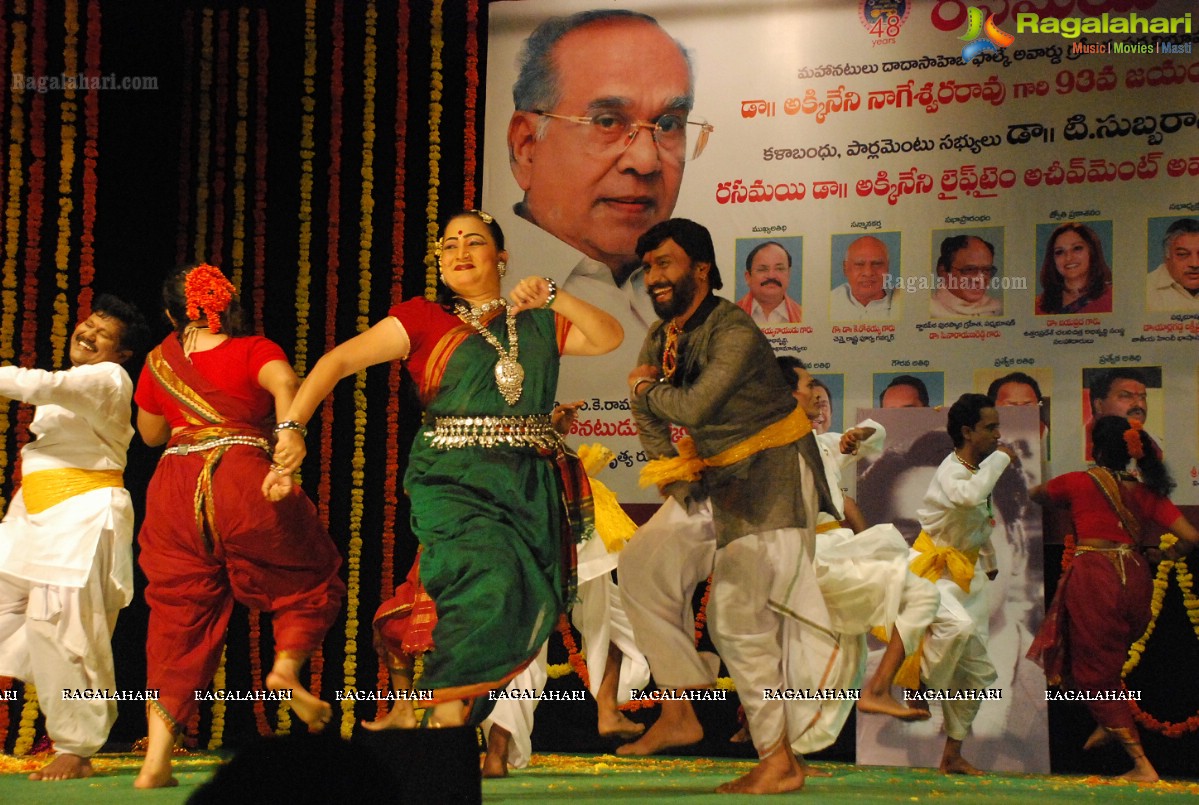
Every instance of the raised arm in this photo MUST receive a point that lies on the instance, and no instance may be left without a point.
(595, 332)
(386, 341)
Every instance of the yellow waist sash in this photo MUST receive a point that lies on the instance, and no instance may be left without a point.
(47, 488)
(688, 466)
(935, 559)
(831, 525)
(932, 562)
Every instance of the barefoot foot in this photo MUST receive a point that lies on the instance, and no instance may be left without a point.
(155, 778)
(885, 704)
(777, 773)
(312, 711)
(495, 762)
(614, 724)
(1100, 737)
(959, 765)
(676, 726)
(64, 767)
(402, 716)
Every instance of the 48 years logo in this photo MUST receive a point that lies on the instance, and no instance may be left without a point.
(884, 18)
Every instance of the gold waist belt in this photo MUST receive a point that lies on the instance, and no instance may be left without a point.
(1115, 555)
(224, 441)
(494, 431)
(46, 488)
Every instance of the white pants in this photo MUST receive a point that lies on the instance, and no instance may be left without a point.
(767, 616)
(865, 582)
(659, 570)
(955, 650)
(60, 639)
(516, 715)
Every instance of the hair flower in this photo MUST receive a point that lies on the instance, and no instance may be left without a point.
(207, 289)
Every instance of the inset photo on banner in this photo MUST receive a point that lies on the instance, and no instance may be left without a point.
(909, 389)
(830, 399)
(1133, 392)
(1074, 276)
(1029, 386)
(864, 277)
(968, 276)
(769, 284)
(1172, 247)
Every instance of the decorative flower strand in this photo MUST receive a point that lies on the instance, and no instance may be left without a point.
(1137, 650)
(307, 152)
(358, 463)
(469, 136)
(91, 136)
(255, 641)
(12, 218)
(262, 56)
(186, 124)
(26, 731)
(203, 138)
(216, 733)
(333, 250)
(436, 44)
(69, 113)
(35, 204)
(391, 446)
(216, 244)
(237, 247)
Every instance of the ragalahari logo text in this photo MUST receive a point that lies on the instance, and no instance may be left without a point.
(981, 37)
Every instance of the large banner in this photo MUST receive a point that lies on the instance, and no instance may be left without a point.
(945, 191)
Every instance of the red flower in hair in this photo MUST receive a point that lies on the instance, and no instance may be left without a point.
(207, 289)
(1132, 439)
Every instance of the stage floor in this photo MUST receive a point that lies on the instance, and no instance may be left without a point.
(574, 778)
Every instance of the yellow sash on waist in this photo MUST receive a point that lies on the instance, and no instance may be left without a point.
(688, 466)
(932, 562)
(831, 525)
(611, 523)
(47, 488)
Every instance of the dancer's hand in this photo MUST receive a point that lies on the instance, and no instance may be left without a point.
(277, 485)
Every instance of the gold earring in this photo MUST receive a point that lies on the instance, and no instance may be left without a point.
(502, 268)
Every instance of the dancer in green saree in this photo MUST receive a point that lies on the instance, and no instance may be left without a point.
(495, 519)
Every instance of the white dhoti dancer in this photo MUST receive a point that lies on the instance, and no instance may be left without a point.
(66, 562)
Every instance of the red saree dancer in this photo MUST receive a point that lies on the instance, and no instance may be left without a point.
(209, 537)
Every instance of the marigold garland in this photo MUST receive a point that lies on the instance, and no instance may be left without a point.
(208, 290)
(217, 731)
(436, 44)
(91, 135)
(307, 152)
(469, 141)
(237, 248)
(12, 217)
(391, 446)
(203, 138)
(358, 463)
(68, 110)
(186, 124)
(333, 250)
(1160, 584)
(26, 731)
(262, 54)
(216, 243)
(255, 640)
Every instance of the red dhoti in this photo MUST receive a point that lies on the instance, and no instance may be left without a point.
(1101, 607)
(274, 557)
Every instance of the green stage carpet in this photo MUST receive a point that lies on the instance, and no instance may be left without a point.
(594, 778)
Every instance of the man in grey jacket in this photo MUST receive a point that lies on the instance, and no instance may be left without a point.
(740, 506)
